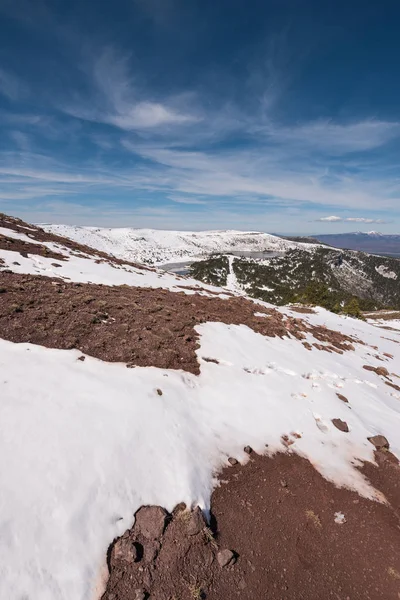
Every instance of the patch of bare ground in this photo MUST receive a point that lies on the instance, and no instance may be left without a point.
(278, 531)
(25, 248)
(383, 372)
(303, 310)
(138, 326)
(384, 315)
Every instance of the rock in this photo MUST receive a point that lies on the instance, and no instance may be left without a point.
(196, 522)
(379, 441)
(150, 522)
(226, 557)
(248, 449)
(151, 551)
(378, 370)
(125, 550)
(284, 483)
(82, 358)
(342, 398)
(159, 392)
(181, 507)
(341, 425)
(232, 461)
(140, 594)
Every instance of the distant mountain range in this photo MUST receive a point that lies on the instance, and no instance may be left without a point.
(372, 242)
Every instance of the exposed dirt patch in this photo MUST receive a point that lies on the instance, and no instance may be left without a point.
(384, 315)
(25, 248)
(279, 531)
(381, 371)
(139, 326)
(303, 310)
(393, 385)
(386, 476)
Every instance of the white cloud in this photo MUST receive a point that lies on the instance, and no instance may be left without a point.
(186, 200)
(336, 138)
(331, 219)
(147, 114)
(118, 100)
(334, 219)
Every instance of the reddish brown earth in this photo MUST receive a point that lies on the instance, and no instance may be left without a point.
(25, 248)
(139, 326)
(276, 516)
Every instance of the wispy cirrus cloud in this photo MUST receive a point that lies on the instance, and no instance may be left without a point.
(117, 99)
(186, 200)
(11, 86)
(335, 219)
(337, 138)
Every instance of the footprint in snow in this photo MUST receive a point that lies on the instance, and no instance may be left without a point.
(320, 423)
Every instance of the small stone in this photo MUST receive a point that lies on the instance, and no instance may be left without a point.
(232, 461)
(226, 557)
(159, 392)
(150, 522)
(341, 425)
(379, 441)
(284, 483)
(242, 584)
(125, 550)
(82, 358)
(248, 449)
(342, 398)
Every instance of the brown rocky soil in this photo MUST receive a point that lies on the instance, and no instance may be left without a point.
(278, 531)
(25, 248)
(139, 326)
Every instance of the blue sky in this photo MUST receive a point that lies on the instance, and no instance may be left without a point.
(281, 116)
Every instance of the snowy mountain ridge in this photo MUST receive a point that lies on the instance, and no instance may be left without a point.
(156, 246)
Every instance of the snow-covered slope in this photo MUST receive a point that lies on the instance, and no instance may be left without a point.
(157, 247)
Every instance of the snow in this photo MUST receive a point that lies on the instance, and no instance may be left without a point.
(340, 519)
(386, 323)
(84, 444)
(232, 283)
(158, 247)
(385, 272)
